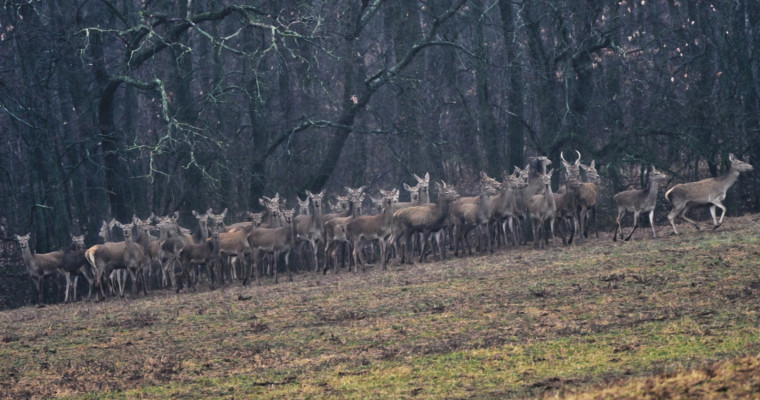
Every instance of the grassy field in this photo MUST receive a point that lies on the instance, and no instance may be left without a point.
(672, 317)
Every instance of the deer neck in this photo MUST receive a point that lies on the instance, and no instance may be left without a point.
(729, 178)
(387, 214)
(26, 254)
(549, 196)
(316, 217)
(291, 231)
(652, 188)
(442, 207)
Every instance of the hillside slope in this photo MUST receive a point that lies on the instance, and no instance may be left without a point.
(599, 319)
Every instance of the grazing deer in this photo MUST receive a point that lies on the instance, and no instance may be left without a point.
(425, 218)
(541, 208)
(38, 265)
(200, 254)
(711, 191)
(272, 240)
(469, 213)
(309, 226)
(638, 201)
(335, 229)
(372, 227)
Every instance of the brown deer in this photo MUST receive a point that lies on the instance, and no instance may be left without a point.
(107, 257)
(542, 209)
(589, 194)
(372, 227)
(194, 255)
(309, 226)
(503, 210)
(638, 201)
(74, 264)
(335, 229)
(469, 213)
(711, 191)
(272, 240)
(425, 218)
(38, 265)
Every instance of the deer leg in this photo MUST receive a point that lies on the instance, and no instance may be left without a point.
(722, 214)
(651, 223)
(551, 229)
(68, 288)
(287, 266)
(672, 218)
(356, 255)
(635, 224)
(276, 265)
(617, 226)
(687, 219)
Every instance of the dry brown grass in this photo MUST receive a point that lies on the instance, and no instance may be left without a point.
(595, 320)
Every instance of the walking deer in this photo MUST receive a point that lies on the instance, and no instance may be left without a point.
(711, 191)
(638, 201)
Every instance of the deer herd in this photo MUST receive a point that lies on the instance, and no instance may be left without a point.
(159, 249)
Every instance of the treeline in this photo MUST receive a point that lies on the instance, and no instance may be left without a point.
(116, 107)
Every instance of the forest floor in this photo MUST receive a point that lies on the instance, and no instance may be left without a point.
(672, 317)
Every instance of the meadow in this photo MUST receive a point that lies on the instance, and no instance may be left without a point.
(671, 317)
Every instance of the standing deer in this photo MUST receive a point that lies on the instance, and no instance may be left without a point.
(541, 208)
(589, 196)
(711, 191)
(574, 207)
(532, 174)
(335, 229)
(38, 265)
(638, 201)
(425, 218)
(193, 255)
(503, 211)
(107, 257)
(74, 264)
(310, 227)
(372, 227)
(272, 240)
(135, 257)
(469, 213)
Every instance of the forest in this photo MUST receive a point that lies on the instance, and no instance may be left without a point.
(115, 108)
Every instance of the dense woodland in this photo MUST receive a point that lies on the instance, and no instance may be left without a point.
(110, 108)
